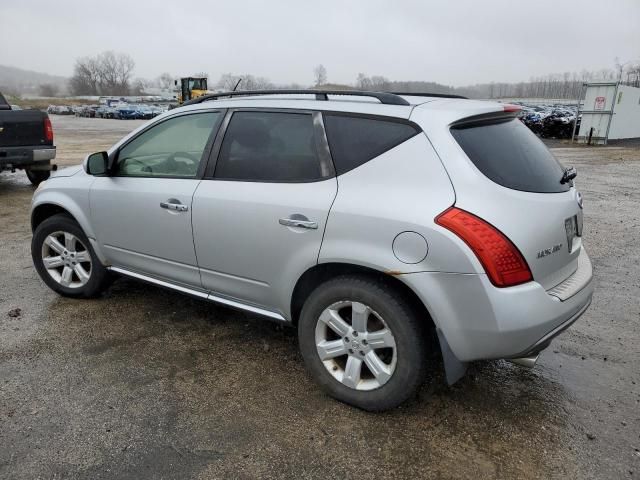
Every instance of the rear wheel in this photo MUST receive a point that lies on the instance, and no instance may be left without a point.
(65, 259)
(363, 343)
(37, 176)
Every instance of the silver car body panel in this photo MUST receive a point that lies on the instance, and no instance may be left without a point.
(231, 247)
(244, 251)
(135, 232)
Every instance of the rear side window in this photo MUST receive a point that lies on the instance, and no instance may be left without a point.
(356, 140)
(508, 153)
(269, 147)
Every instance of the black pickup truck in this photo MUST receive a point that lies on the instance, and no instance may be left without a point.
(26, 142)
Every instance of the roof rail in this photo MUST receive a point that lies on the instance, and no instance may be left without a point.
(384, 97)
(425, 94)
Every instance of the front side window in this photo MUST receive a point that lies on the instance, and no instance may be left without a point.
(269, 147)
(172, 148)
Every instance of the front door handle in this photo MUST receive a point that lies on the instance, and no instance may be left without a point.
(175, 205)
(295, 222)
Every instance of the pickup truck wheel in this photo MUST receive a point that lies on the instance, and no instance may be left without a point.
(363, 343)
(37, 176)
(65, 260)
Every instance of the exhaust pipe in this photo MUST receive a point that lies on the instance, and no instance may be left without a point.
(527, 362)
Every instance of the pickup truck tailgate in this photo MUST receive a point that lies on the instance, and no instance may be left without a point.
(22, 127)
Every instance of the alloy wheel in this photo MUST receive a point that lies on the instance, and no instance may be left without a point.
(66, 259)
(356, 345)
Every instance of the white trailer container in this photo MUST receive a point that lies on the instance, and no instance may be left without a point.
(610, 111)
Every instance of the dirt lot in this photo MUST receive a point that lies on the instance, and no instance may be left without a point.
(145, 383)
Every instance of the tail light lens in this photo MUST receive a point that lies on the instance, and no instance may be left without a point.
(510, 108)
(48, 130)
(503, 262)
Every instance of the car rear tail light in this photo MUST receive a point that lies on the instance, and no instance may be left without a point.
(48, 130)
(503, 262)
(511, 108)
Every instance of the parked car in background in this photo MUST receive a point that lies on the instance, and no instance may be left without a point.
(388, 230)
(144, 112)
(550, 120)
(26, 142)
(156, 110)
(126, 112)
(105, 112)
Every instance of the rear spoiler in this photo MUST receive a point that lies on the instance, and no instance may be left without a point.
(485, 118)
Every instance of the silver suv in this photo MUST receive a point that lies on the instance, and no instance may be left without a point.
(392, 230)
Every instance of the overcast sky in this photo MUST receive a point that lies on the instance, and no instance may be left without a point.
(455, 42)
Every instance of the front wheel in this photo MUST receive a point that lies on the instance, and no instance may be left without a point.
(363, 343)
(65, 260)
(37, 176)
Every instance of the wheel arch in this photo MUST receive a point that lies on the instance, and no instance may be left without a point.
(454, 369)
(46, 210)
(323, 272)
(47, 207)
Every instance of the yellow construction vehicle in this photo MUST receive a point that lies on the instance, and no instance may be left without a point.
(190, 88)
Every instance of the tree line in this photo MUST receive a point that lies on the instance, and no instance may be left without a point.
(111, 73)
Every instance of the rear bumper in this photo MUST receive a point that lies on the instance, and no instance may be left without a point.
(21, 157)
(480, 321)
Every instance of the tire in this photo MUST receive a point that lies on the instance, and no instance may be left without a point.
(67, 254)
(37, 176)
(399, 379)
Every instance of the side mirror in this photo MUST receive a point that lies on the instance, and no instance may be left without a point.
(97, 163)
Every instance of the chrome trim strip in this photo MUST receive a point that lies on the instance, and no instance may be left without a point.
(200, 294)
(156, 281)
(249, 308)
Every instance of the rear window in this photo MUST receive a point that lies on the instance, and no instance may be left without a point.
(508, 153)
(356, 140)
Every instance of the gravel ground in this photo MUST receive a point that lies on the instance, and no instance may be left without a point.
(146, 383)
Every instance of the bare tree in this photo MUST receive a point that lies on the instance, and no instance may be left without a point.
(115, 73)
(47, 90)
(228, 82)
(320, 74)
(86, 75)
(138, 86)
(165, 81)
(109, 73)
(363, 82)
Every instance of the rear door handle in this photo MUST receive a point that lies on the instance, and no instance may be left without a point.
(294, 222)
(175, 205)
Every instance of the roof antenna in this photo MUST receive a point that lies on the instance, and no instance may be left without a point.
(236, 87)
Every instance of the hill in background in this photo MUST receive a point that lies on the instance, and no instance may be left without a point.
(16, 81)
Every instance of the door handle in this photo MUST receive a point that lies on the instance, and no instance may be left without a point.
(176, 206)
(295, 222)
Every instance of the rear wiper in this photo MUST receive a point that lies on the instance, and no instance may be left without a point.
(569, 174)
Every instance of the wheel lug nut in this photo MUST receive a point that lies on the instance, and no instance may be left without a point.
(346, 339)
(364, 342)
(351, 351)
(355, 334)
(361, 353)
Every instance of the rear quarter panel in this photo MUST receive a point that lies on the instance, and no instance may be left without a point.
(403, 189)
